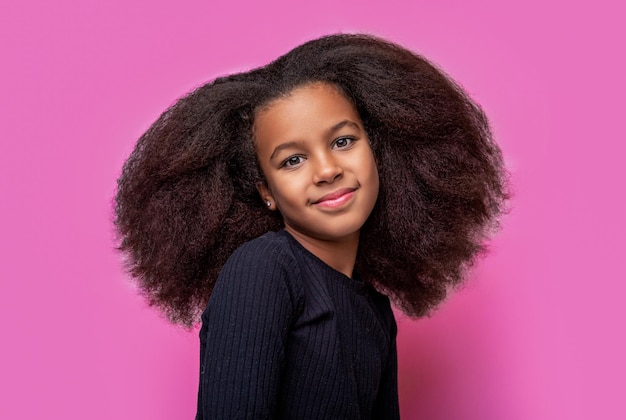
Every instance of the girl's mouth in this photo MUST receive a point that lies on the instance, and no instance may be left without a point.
(336, 198)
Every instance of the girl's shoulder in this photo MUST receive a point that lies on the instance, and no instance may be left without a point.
(272, 246)
(258, 284)
(266, 262)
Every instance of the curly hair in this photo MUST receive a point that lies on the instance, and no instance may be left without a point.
(187, 194)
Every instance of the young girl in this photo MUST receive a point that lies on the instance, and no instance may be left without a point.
(297, 199)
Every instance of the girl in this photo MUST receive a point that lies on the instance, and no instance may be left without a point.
(297, 199)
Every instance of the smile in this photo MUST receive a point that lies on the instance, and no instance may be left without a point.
(336, 199)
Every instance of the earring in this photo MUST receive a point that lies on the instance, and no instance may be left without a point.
(268, 203)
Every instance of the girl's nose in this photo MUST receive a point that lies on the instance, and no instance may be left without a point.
(326, 169)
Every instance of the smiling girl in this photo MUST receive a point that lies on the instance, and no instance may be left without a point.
(291, 203)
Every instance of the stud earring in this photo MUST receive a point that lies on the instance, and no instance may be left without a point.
(268, 203)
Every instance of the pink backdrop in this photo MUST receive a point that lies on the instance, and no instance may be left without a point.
(537, 334)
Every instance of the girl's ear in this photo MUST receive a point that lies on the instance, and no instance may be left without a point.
(266, 195)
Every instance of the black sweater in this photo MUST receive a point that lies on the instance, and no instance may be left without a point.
(285, 336)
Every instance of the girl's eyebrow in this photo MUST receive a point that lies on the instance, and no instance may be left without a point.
(283, 146)
(330, 131)
(343, 124)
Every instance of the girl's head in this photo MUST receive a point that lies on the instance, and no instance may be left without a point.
(320, 172)
(198, 182)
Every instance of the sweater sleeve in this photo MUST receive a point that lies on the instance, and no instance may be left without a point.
(245, 328)
(386, 405)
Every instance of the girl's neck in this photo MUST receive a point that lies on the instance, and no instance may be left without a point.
(339, 254)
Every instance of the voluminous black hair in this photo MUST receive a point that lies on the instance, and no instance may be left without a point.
(187, 195)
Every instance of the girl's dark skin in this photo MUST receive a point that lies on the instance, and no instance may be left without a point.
(319, 169)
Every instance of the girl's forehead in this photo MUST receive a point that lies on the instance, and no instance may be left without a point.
(310, 107)
(300, 91)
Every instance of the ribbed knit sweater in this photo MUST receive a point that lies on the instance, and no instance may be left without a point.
(285, 336)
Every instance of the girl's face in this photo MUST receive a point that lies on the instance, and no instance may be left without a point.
(320, 170)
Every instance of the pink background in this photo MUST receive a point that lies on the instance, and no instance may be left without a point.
(537, 334)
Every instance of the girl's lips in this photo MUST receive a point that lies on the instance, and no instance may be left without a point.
(336, 198)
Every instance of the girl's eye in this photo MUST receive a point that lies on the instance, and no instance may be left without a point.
(343, 142)
(293, 161)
